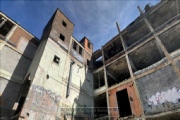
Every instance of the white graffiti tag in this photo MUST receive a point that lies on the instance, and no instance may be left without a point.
(171, 95)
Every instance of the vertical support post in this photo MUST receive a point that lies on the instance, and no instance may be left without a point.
(3, 22)
(11, 32)
(99, 80)
(130, 69)
(166, 53)
(106, 83)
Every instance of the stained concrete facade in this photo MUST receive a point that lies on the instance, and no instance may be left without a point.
(50, 79)
(135, 75)
(17, 49)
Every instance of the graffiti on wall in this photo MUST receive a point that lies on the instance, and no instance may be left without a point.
(44, 100)
(171, 95)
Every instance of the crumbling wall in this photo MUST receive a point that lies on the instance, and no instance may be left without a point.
(159, 91)
(163, 14)
(132, 97)
(47, 96)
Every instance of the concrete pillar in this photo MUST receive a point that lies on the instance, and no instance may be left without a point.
(159, 49)
(130, 70)
(106, 83)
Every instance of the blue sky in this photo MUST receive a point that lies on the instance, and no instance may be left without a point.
(94, 19)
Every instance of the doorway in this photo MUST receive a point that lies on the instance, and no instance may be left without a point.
(123, 103)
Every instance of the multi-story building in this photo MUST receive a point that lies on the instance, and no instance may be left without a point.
(136, 75)
(57, 83)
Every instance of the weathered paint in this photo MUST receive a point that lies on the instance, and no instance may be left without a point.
(52, 89)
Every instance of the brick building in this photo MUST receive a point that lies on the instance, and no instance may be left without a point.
(136, 75)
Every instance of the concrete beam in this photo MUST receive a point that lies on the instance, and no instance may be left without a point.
(106, 83)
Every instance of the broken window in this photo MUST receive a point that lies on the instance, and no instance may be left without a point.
(62, 37)
(56, 59)
(6, 27)
(64, 23)
(80, 50)
(88, 62)
(75, 45)
(89, 45)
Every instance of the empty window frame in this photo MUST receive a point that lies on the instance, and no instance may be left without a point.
(80, 50)
(62, 37)
(75, 45)
(64, 23)
(89, 45)
(88, 62)
(56, 59)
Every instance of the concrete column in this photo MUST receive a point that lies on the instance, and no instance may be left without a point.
(159, 49)
(4, 21)
(106, 83)
(11, 32)
(166, 53)
(130, 70)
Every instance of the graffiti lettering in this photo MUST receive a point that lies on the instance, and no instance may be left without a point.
(171, 95)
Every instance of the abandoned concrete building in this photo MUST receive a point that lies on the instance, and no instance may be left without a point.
(136, 75)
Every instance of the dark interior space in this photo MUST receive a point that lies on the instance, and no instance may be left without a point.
(135, 31)
(123, 103)
(97, 59)
(112, 49)
(99, 79)
(170, 38)
(6, 28)
(25, 90)
(100, 106)
(117, 72)
(146, 56)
